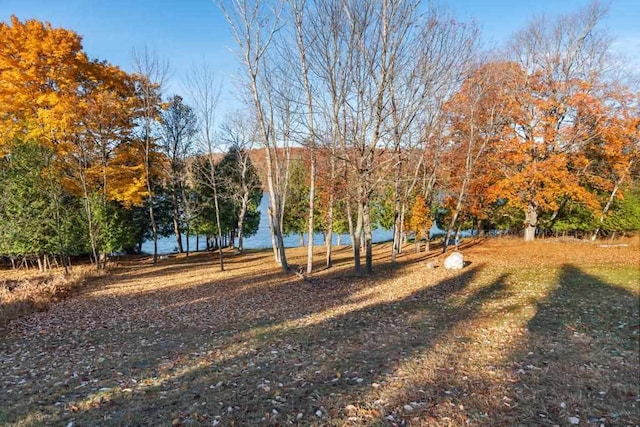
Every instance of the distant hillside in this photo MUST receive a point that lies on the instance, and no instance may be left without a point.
(258, 159)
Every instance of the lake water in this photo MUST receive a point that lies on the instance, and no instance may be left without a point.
(260, 240)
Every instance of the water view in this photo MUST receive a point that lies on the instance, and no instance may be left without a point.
(260, 240)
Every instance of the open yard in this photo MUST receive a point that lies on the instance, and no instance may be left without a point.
(527, 334)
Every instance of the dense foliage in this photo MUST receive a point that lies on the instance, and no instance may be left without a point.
(76, 175)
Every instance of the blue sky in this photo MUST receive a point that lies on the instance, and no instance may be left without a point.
(189, 32)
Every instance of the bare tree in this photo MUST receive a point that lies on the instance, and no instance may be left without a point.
(429, 68)
(205, 94)
(303, 39)
(153, 74)
(379, 32)
(255, 24)
(364, 80)
(328, 50)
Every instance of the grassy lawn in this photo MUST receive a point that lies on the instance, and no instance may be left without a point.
(527, 334)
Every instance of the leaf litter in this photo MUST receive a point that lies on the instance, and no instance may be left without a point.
(527, 334)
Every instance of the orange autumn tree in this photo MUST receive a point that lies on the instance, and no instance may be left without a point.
(478, 116)
(614, 152)
(541, 160)
(82, 110)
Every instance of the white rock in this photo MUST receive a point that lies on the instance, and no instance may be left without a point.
(408, 408)
(318, 413)
(299, 416)
(350, 408)
(455, 261)
(574, 420)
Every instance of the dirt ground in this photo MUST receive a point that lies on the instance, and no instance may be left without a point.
(544, 333)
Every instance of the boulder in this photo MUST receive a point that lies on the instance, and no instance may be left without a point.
(455, 261)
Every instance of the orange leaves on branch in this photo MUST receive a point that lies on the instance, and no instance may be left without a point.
(51, 93)
(39, 69)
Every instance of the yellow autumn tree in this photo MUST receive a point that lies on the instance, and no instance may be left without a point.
(40, 69)
(83, 110)
(420, 220)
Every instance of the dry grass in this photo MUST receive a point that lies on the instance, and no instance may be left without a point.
(537, 334)
(27, 291)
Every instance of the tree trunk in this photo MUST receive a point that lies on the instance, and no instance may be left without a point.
(457, 236)
(147, 172)
(90, 224)
(356, 233)
(608, 205)
(395, 247)
(187, 233)
(176, 221)
(454, 218)
(243, 212)
(530, 222)
(312, 205)
(403, 237)
(280, 239)
(275, 199)
(329, 230)
(274, 243)
(154, 227)
(447, 240)
(368, 237)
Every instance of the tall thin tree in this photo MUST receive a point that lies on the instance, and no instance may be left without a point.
(153, 74)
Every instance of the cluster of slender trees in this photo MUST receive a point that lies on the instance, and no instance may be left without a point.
(362, 115)
(94, 160)
(407, 120)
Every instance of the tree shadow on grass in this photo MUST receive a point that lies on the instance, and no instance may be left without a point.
(271, 373)
(581, 358)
